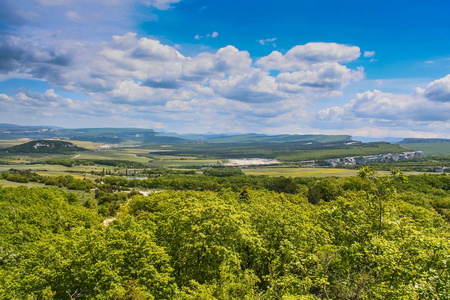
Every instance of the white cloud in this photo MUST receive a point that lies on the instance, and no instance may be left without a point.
(227, 60)
(5, 98)
(142, 75)
(178, 105)
(254, 87)
(388, 106)
(49, 99)
(265, 41)
(322, 76)
(214, 34)
(303, 56)
(136, 78)
(439, 90)
(369, 53)
(149, 49)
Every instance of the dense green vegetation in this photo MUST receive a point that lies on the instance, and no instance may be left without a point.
(286, 151)
(236, 237)
(60, 181)
(420, 164)
(90, 162)
(430, 149)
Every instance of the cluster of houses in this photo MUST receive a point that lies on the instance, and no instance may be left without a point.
(379, 158)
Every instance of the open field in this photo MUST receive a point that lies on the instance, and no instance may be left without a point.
(310, 172)
(300, 172)
(83, 195)
(111, 154)
(57, 170)
(86, 145)
(10, 143)
(6, 183)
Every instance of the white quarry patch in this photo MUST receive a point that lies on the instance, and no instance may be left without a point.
(40, 145)
(250, 162)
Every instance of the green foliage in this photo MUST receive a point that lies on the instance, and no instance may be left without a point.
(242, 237)
(325, 189)
(27, 215)
(90, 162)
(222, 172)
(61, 181)
(94, 264)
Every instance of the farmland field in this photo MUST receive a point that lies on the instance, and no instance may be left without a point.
(300, 172)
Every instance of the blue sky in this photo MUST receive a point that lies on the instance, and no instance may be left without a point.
(365, 68)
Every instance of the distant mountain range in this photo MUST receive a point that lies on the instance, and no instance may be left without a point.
(149, 136)
(422, 141)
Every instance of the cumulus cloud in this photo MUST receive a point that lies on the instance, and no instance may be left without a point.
(376, 113)
(390, 108)
(5, 99)
(302, 56)
(46, 100)
(323, 76)
(254, 87)
(142, 76)
(149, 49)
(227, 60)
(144, 73)
(439, 90)
(28, 56)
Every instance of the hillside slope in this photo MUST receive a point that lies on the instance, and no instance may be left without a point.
(45, 146)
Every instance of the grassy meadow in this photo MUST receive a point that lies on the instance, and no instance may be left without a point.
(300, 172)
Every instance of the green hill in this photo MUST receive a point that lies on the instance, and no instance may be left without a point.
(44, 146)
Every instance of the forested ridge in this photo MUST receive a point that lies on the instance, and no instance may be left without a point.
(224, 235)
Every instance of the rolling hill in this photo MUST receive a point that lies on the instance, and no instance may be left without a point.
(44, 146)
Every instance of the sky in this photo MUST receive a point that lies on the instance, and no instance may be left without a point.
(363, 68)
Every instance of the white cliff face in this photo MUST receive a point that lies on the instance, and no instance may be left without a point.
(380, 158)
